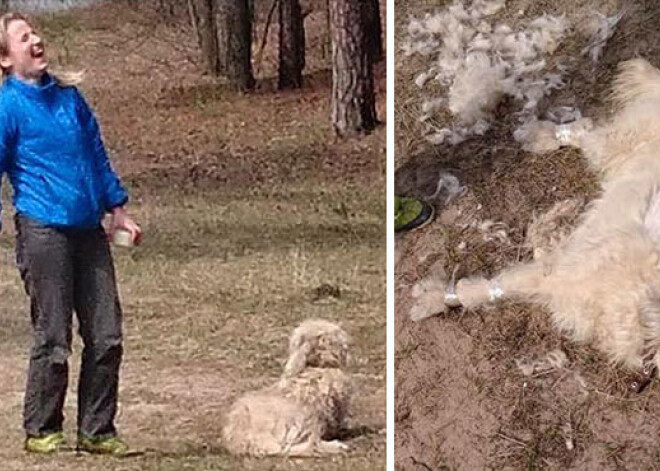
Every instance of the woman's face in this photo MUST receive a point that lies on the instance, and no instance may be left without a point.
(26, 55)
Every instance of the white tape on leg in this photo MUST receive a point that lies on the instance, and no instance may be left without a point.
(564, 134)
(451, 298)
(495, 290)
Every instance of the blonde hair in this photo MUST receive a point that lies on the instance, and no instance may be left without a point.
(63, 78)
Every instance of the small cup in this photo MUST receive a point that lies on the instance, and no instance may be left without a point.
(122, 238)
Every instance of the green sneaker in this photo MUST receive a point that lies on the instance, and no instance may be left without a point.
(411, 213)
(104, 445)
(47, 444)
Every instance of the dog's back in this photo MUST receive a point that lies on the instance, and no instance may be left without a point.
(264, 424)
(325, 390)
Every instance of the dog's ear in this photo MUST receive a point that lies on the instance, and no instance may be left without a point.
(297, 359)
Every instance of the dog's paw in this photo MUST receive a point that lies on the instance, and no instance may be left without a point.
(429, 295)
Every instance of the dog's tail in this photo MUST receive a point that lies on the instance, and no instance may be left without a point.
(636, 80)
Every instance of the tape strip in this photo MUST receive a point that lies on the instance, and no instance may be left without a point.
(495, 290)
(451, 298)
(563, 134)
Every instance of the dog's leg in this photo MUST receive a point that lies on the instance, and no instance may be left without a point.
(331, 447)
(302, 450)
(523, 282)
(315, 448)
(545, 136)
(547, 231)
(429, 296)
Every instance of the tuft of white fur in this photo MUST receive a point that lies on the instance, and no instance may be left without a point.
(494, 231)
(601, 284)
(599, 28)
(481, 8)
(537, 136)
(477, 88)
(563, 114)
(304, 411)
(553, 360)
(448, 185)
(457, 134)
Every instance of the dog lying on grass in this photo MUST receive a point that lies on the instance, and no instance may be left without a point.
(601, 282)
(304, 412)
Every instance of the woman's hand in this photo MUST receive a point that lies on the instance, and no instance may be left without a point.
(120, 220)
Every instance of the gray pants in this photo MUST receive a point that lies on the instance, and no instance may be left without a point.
(63, 271)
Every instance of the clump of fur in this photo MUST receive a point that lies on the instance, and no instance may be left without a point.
(599, 28)
(480, 63)
(303, 413)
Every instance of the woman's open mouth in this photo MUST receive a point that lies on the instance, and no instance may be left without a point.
(37, 52)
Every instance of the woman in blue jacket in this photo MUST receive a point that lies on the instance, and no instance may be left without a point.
(51, 149)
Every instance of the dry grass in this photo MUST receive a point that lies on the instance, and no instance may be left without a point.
(255, 218)
(464, 361)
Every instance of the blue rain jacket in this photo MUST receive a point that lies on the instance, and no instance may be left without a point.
(51, 149)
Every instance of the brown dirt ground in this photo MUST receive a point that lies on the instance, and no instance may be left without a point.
(249, 207)
(461, 402)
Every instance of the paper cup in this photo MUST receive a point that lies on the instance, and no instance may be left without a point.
(122, 238)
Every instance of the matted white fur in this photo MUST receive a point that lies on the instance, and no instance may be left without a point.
(601, 284)
(304, 411)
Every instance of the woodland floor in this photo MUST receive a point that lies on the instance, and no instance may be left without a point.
(250, 209)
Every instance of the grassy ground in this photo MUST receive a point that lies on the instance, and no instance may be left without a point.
(461, 401)
(255, 218)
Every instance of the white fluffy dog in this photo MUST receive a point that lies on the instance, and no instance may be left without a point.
(303, 413)
(602, 282)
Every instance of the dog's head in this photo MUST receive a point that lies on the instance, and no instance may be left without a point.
(316, 343)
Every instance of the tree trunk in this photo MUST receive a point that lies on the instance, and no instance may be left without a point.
(353, 100)
(292, 44)
(202, 18)
(166, 8)
(373, 30)
(234, 38)
(327, 39)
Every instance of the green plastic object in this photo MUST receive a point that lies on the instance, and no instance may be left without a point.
(411, 213)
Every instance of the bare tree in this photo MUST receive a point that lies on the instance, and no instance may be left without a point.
(234, 32)
(224, 32)
(373, 30)
(292, 44)
(167, 8)
(353, 99)
(202, 18)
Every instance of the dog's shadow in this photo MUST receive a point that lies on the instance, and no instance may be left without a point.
(351, 433)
